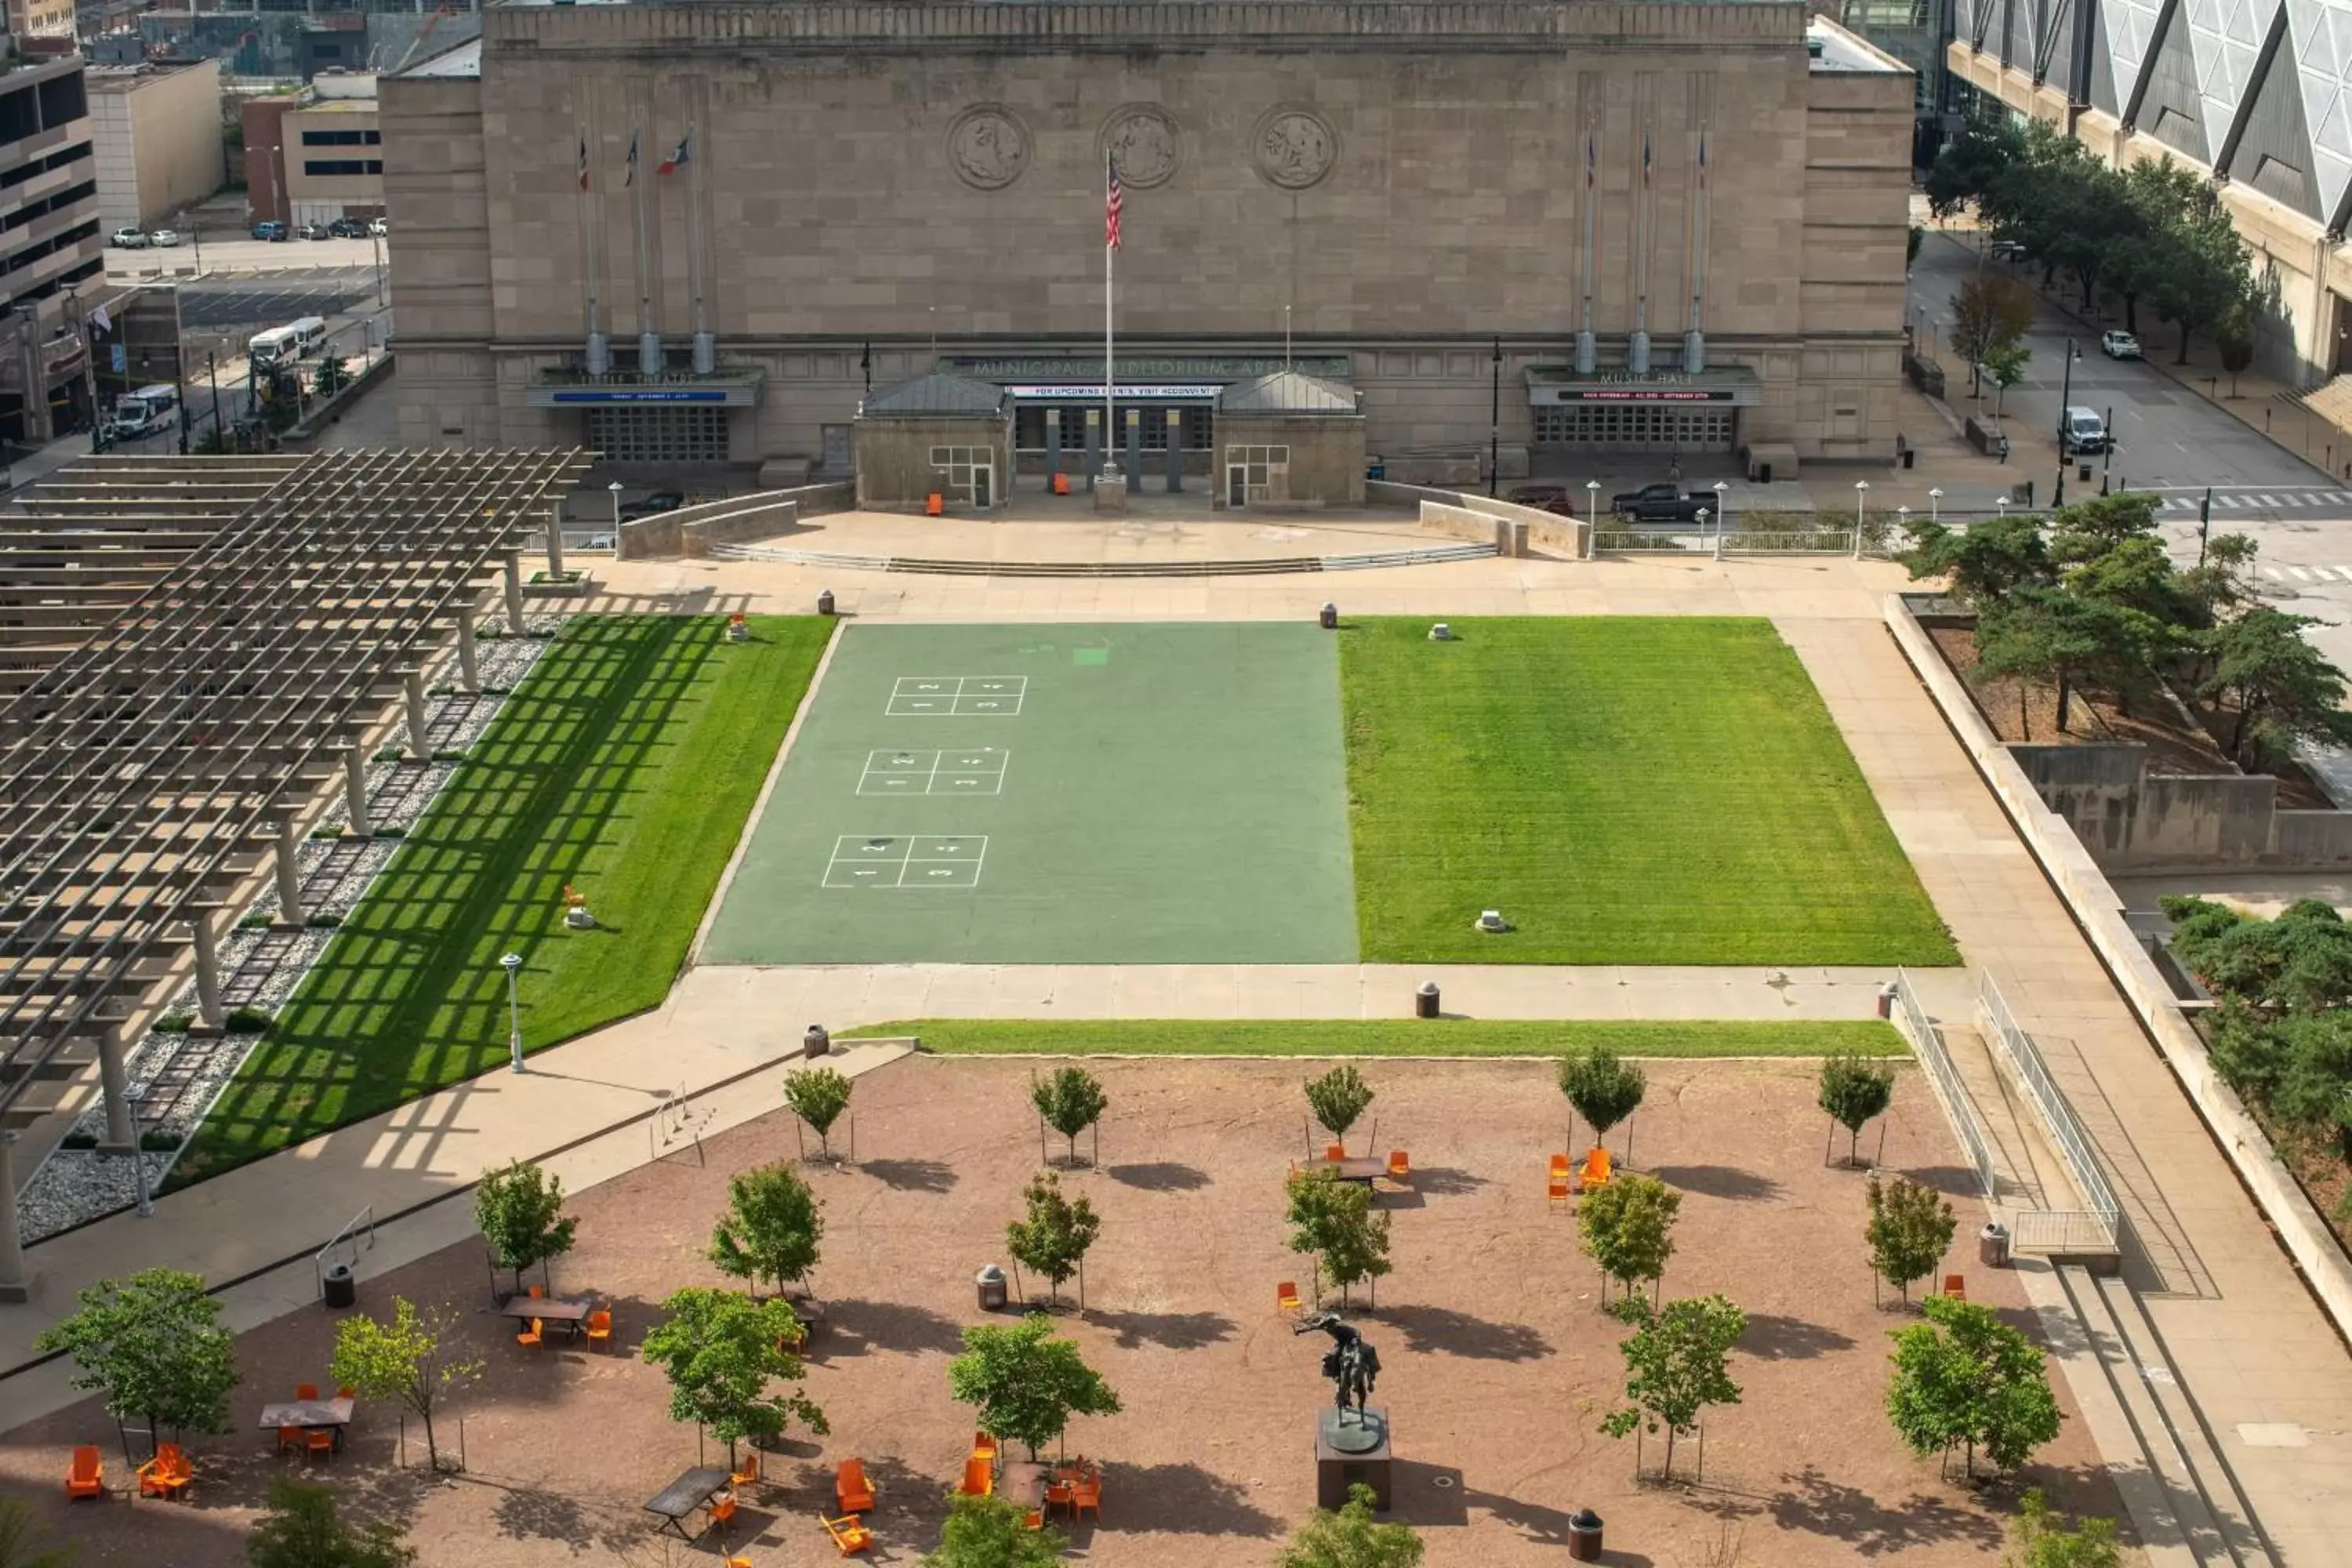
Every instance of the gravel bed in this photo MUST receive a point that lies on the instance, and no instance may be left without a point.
(75, 1185)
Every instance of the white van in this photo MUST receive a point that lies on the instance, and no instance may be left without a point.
(281, 345)
(2082, 430)
(145, 411)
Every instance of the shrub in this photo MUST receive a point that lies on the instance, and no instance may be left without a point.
(1071, 1099)
(1910, 1230)
(248, 1021)
(1339, 1099)
(1603, 1089)
(1855, 1090)
(1627, 1227)
(174, 1023)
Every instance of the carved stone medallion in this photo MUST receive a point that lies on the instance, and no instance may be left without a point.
(1294, 147)
(1146, 143)
(988, 146)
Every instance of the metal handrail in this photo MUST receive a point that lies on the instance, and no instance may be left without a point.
(1945, 1079)
(362, 1221)
(2058, 1119)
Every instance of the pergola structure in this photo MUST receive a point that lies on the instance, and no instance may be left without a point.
(190, 649)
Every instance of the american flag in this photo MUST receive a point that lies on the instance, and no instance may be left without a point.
(1113, 200)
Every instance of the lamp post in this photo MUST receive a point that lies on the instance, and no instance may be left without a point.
(1722, 514)
(615, 487)
(2065, 391)
(1861, 495)
(1495, 423)
(2002, 502)
(1592, 507)
(1936, 504)
(512, 964)
(1902, 520)
(2108, 455)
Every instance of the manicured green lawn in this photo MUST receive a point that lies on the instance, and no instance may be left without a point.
(1383, 1037)
(623, 765)
(1624, 790)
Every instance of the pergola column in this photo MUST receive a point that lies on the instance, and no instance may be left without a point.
(555, 542)
(413, 684)
(290, 873)
(355, 799)
(116, 1084)
(514, 593)
(16, 1285)
(208, 989)
(469, 666)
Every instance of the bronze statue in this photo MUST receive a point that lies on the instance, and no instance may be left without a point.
(1350, 1363)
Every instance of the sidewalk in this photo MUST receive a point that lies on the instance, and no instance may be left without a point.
(2256, 1354)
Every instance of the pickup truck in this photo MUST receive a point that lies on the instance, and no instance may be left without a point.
(1659, 503)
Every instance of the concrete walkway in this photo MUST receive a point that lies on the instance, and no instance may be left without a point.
(2252, 1348)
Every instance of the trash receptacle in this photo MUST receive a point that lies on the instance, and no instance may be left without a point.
(1424, 1001)
(816, 1042)
(825, 601)
(339, 1288)
(1329, 617)
(1584, 1536)
(991, 1285)
(1992, 1244)
(1886, 1000)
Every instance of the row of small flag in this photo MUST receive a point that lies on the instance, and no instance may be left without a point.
(669, 165)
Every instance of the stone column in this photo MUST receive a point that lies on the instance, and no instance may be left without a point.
(115, 1083)
(16, 1285)
(1176, 451)
(1095, 437)
(1053, 447)
(469, 668)
(555, 542)
(208, 990)
(289, 872)
(355, 799)
(514, 593)
(1133, 467)
(412, 683)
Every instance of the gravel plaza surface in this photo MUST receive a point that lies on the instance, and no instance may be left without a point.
(1116, 794)
(1497, 1363)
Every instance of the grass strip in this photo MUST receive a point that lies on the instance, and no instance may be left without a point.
(1385, 1037)
(623, 765)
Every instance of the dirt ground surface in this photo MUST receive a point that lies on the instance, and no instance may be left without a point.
(1497, 1362)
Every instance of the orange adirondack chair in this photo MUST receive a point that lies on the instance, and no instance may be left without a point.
(848, 1534)
(1400, 1165)
(1596, 1167)
(86, 1477)
(306, 1391)
(1557, 1192)
(851, 1489)
(1335, 1151)
(167, 1474)
(1560, 1166)
(748, 1475)
(978, 1478)
(983, 1447)
(1955, 1287)
(1285, 1296)
(599, 1332)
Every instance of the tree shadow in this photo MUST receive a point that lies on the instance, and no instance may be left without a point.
(859, 1328)
(1951, 1180)
(1446, 1331)
(1159, 1176)
(1169, 1331)
(1183, 1499)
(1819, 1506)
(1719, 1180)
(911, 1175)
(1445, 1180)
(528, 1513)
(1773, 1337)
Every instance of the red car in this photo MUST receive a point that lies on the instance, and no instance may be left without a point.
(1545, 498)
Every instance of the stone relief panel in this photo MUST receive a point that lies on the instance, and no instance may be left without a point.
(1292, 147)
(1146, 143)
(988, 146)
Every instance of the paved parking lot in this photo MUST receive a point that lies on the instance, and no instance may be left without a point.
(269, 302)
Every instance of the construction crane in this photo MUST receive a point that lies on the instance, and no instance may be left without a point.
(424, 33)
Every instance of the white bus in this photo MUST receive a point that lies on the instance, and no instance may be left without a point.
(280, 345)
(145, 411)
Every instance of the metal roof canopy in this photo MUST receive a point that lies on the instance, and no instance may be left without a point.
(136, 766)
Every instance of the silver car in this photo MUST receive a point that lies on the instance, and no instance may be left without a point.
(2119, 345)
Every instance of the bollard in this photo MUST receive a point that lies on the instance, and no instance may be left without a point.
(1331, 617)
(824, 601)
(1424, 1001)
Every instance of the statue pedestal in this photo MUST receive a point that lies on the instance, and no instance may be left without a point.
(1347, 1454)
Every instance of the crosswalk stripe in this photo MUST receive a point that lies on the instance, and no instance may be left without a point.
(2272, 572)
(2299, 574)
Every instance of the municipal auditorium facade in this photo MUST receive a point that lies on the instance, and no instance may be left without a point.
(704, 233)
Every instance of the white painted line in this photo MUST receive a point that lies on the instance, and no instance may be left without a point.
(2299, 574)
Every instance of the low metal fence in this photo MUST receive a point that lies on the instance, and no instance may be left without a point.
(1665, 539)
(1788, 541)
(2096, 1226)
(1911, 1018)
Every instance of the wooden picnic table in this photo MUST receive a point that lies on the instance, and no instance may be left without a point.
(308, 1413)
(548, 1309)
(1364, 1168)
(693, 1489)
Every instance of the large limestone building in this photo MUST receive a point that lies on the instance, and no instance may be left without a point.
(702, 232)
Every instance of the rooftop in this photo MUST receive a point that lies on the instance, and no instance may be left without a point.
(939, 393)
(1287, 392)
(464, 60)
(1836, 51)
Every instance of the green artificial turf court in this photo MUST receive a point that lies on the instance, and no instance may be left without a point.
(1116, 794)
(1624, 790)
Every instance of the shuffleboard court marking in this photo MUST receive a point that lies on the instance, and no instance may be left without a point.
(973, 771)
(964, 696)
(881, 860)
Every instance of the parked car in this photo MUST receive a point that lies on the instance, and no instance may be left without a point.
(348, 228)
(1545, 498)
(653, 505)
(1659, 503)
(2082, 430)
(379, 227)
(2005, 250)
(164, 236)
(2119, 345)
(270, 230)
(128, 238)
(310, 231)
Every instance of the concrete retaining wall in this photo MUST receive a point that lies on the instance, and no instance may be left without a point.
(2133, 820)
(1507, 537)
(2084, 886)
(1547, 531)
(695, 538)
(755, 516)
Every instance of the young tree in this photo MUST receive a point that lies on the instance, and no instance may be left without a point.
(1991, 311)
(1071, 1100)
(990, 1533)
(2285, 692)
(1335, 1221)
(722, 1351)
(818, 1095)
(1025, 1384)
(1339, 1099)
(1853, 1090)
(2005, 366)
(1627, 1227)
(154, 1346)
(1910, 1230)
(2040, 1539)
(520, 1213)
(24, 1544)
(1603, 1089)
(771, 1227)
(1985, 565)
(1676, 1366)
(1964, 1378)
(413, 1359)
(2233, 337)
(301, 1529)
(1352, 1538)
(1053, 1239)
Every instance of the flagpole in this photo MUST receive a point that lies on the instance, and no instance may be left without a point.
(1110, 436)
